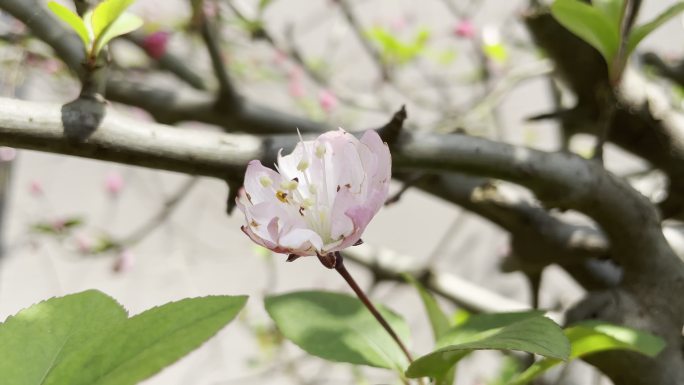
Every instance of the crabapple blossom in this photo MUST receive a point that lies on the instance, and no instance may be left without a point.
(322, 196)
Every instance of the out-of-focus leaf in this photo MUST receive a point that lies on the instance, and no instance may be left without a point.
(106, 13)
(612, 9)
(337, 327)
(496, 52)
(590, 24)
(538, 335)
(124, 24)
(640, 32)
(592, 337)
(439, 322)
(73, 20)
(438, 319)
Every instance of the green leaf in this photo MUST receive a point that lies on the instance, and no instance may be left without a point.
(124, 24)
(337, 327)
(592, 337)
(590, 24)
(537, 335)
(612, 9)
(36, 340)
(439, 321)
(146, 343)
(106, 13)
(471, 326)
(640, 32)
(72, 19)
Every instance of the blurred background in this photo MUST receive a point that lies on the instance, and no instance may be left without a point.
(455, 64)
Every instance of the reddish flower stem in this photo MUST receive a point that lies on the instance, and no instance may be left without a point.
(339, 266)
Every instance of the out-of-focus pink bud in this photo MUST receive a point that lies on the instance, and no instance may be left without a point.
(52, 66)
(399, 23)
(328, 100)
(155, 44)
(114, 183)
(83, 244)
(295, 87)
(36, 188)
(279, 58)
(124, 261)
(7, 154)
(465, 29)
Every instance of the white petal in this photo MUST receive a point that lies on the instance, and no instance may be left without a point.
(301, 240)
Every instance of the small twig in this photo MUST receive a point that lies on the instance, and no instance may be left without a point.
(228, 94)
(161, 216)
(358, 31)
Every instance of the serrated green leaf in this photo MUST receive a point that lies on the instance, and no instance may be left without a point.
(141, 346)
(592, 337)
(337, 327)
(124, 24)
(106, 13)
(73, 20)
(640, 32)
(538, 335)
(38, 339)
(590, 24)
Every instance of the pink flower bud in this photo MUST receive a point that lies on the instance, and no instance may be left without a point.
(295, 87)
(328, 100)
(465, 29)
(7, 154)
(322, 197)
(36, 188)
(83, 244)
(155, 44)
(124, 261)
(114, 183)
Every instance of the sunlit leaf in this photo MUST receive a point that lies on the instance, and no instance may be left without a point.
(337, 327)
(38, 339)
(139, 347)
(592, 337)
(106, 13)
(124, 24)
(538, 335)
(590, 24)
(72, 19)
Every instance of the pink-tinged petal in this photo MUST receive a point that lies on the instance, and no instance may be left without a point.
(302, 241)
(342, 225)
(256, 186)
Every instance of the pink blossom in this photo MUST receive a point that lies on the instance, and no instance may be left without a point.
(36, 188)
(465, 29)
(322, 197)
(155, 44)
(124, 261)
(114, 183)
(295, 88)
(7, 154)
(328, 100)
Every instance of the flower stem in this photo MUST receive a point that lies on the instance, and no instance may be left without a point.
(339, 266)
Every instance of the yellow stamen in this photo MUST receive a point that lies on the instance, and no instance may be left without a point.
(282, 196)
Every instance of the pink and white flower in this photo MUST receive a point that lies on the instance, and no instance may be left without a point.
(322, 197)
